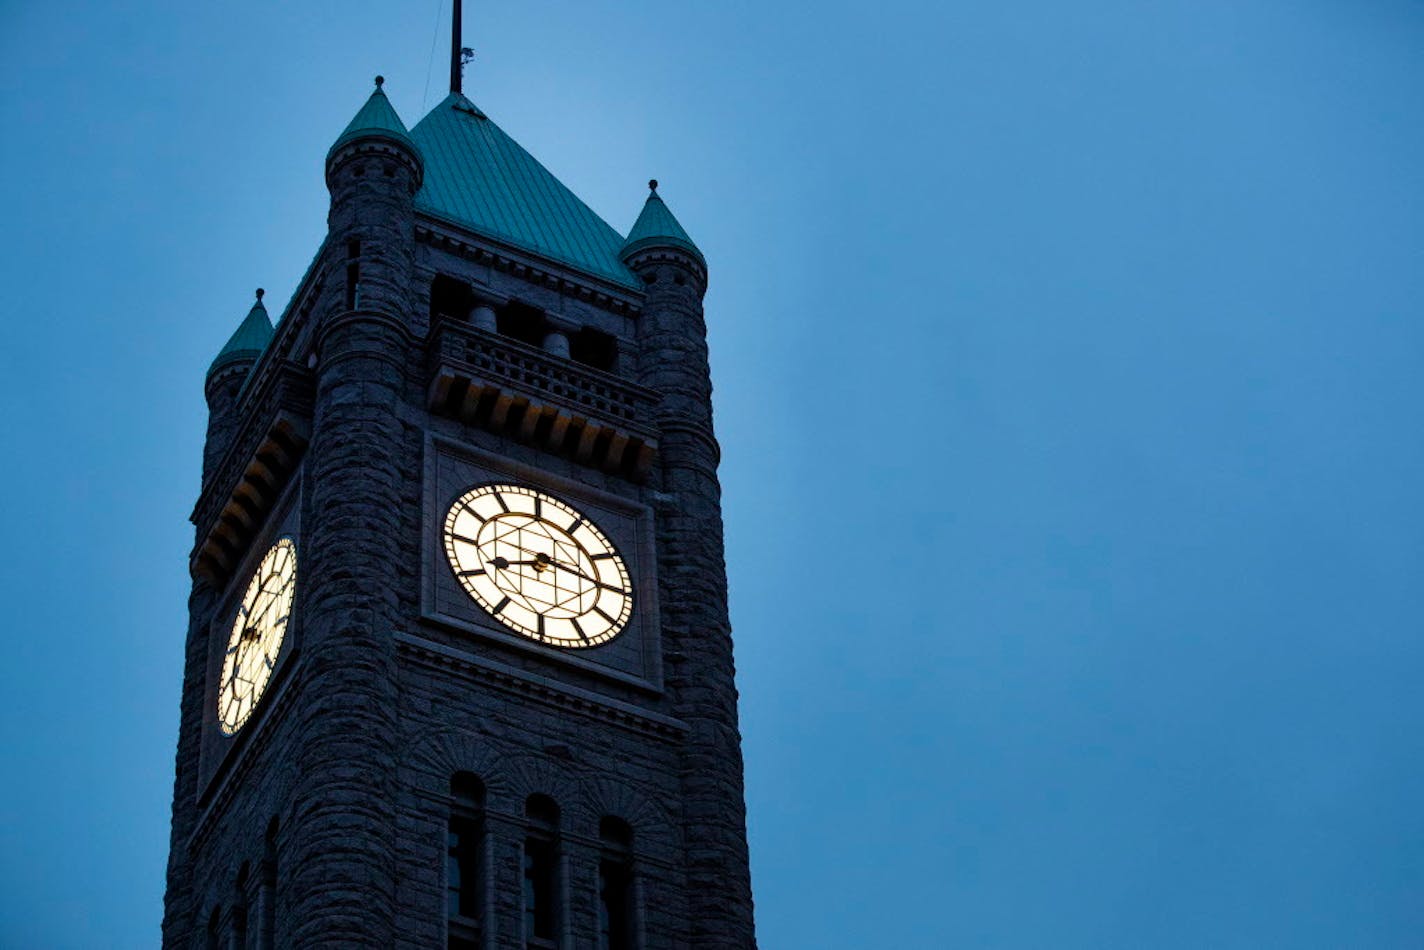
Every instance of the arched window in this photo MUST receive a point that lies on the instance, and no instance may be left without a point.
(463, 862)
(615, 885)
(541, 872)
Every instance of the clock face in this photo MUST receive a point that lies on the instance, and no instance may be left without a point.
(257, 636)
(538, 565)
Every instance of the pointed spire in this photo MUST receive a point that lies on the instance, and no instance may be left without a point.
(377, 118)
(248, 341)
(656, 227)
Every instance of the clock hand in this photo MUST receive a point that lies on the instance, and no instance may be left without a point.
(541, 561)
(578, 573)
(500, 563)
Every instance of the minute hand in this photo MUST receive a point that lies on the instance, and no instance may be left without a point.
(578, 573)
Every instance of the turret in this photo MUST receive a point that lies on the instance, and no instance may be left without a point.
(672, 343)
(658, 237)
(373, 171)
(225, 378)
(356, 466)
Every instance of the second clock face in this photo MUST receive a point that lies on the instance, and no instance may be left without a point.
(538, 565)
(257, 635)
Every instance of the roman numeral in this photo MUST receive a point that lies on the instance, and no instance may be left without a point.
(601, 557)
(500, 606)
(538, 507)
(578, 523)
(461, 537)
(500, 498)
(540, 625)
(473, 573)
(578, 630)
(476, 515)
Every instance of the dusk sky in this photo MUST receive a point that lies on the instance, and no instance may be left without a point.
(1068, 363)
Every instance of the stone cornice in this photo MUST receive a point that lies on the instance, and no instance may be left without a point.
(453, 238)
(531, 686)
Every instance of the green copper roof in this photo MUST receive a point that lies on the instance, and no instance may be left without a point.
(250, 339)
(377, 117)
(656, 227)
(480, 178)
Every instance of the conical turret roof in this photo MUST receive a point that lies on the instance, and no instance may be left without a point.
(248, 341)
(376, 118)
(656, 227)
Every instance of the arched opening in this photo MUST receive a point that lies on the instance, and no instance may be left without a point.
(615, 885)
(541, 871)
(464, 864)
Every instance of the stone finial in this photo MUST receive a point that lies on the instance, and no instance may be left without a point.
(260, 292)
(653, 185)
(380, 81)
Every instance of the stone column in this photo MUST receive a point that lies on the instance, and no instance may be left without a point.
(672, 337)
(483, 318)
(343, 829)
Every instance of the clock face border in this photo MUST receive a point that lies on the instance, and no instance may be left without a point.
(539, 565)
(238, 658)
(454, 620)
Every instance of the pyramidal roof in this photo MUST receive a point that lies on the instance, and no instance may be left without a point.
(377, 117)
(656, 227)
(480, 178)
(248, 341)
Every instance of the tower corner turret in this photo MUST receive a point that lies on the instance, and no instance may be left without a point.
(226, 376)
(658, 240)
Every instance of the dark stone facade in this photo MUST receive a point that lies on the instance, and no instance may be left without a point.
(323, 821)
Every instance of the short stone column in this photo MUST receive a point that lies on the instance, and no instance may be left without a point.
(557, 343)
(483, 318)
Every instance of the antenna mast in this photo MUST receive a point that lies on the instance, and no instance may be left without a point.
(457, 65)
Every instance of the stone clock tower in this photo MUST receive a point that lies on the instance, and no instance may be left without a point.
(458, 666)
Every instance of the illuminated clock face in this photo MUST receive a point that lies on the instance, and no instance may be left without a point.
(538, 565)
(257, 636)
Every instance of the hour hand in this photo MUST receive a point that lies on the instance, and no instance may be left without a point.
(501, 563)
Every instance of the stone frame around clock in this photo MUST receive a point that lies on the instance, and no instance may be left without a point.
(219, 751)
(451, 468)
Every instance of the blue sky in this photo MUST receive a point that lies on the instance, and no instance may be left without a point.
(1068, 378)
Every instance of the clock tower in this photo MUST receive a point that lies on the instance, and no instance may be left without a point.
(458, 670)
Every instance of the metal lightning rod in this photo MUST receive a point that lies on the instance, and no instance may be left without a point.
(457, 66)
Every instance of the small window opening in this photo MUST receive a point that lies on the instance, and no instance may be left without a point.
(215, 929)
(541, 863)
(594, 348)
(267, 893)
(239, 909)
(449, 298)
(615, 885)
(521, 322)
(464, 845)
(353, 274)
